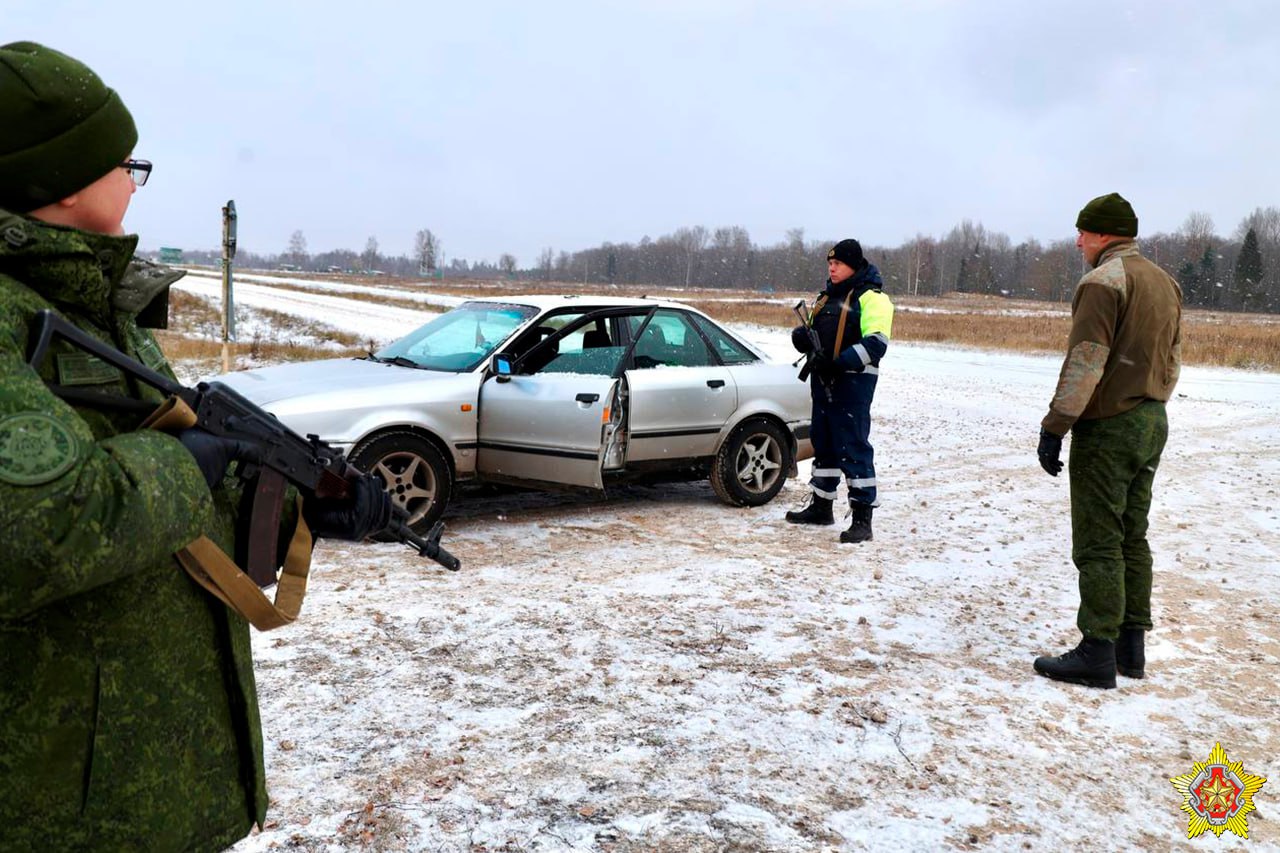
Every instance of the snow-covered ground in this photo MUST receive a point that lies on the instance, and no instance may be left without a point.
(323, 304)
(658, 671)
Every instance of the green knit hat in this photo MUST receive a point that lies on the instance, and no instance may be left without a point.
(63, 128)
(1109, 214)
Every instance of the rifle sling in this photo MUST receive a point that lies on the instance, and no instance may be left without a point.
(844, 314)
(264, 522)
(210, 567)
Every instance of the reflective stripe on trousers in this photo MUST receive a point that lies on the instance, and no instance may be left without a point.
(840, 435)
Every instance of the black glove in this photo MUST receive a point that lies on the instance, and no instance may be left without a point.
(800, 339)
(1050, 451)
(823, 367)
(363, 512)
(215, 454)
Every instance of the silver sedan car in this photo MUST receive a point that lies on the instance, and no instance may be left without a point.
(551, 392)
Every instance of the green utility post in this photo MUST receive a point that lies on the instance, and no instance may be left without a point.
(228, 304)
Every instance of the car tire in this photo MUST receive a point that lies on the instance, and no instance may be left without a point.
(413, 471)
(752, 465)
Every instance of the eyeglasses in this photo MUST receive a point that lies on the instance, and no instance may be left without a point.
(139, 170)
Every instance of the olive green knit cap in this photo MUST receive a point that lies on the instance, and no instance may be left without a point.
(1108, 214)
(62, 127)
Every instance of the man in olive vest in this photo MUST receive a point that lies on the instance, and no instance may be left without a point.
(128, 711)
(1123, 358)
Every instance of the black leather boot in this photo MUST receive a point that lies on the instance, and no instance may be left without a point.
(1092, 663)
(817, 512)
(1131, 657)
(860, 527)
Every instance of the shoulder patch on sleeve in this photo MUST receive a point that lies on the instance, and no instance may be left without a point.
(34, 448)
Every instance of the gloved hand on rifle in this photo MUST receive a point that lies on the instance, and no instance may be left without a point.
(214, 454)
(800, 340)
(365, 511)
(1050, 452)
(823, 367)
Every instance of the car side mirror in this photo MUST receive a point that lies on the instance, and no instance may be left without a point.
(500, 366)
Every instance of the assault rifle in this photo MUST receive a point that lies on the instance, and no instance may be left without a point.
(815, 347)
(284, 456)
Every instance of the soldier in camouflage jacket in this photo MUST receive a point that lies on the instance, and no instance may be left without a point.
(1123, 359)
(128, 711)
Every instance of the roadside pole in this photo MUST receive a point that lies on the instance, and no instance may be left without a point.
(228, 304)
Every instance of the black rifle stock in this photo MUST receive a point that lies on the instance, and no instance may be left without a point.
(308, 463)
(815, 347)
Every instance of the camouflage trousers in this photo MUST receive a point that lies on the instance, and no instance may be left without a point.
(1112, 466)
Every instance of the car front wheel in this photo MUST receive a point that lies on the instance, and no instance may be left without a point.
(752, 464)
(414, 473)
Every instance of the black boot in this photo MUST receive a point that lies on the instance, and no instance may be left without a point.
(1131, 658)
(817, 512)
(1092, 663)
(860, 527)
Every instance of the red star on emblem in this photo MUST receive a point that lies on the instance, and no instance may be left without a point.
(1217, 794)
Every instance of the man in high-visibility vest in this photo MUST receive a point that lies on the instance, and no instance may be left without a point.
(853, 320)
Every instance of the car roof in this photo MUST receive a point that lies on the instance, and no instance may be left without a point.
(545, 301)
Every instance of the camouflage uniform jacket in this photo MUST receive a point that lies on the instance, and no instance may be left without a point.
(128, 711)
(1125, 344)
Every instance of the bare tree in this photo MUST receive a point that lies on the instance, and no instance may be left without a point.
(426, 248)
(1197, 230)
(297, 248)
(919, 262)
(692, 241)
(544, 263)
(507, 263)
(797, 274)
(563, 262)
(1264, 222)
(370, 256)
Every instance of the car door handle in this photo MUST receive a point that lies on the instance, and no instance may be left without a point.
(587, 398)
(715, 383)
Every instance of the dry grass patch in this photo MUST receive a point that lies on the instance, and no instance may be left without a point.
(991, 331)
(195, 336)
(289, 325)
(178, 346)
(1247, 341)
(190, 314)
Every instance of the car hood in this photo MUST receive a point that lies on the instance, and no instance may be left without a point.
(267, 385)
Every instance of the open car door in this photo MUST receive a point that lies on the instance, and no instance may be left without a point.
(554, 425)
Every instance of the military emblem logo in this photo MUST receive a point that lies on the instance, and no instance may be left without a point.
(34, 449)
(1218, 795)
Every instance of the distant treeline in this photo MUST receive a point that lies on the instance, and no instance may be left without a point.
(1240, 272)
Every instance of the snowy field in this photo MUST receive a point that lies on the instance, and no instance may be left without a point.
(324, 303)
(658, 671)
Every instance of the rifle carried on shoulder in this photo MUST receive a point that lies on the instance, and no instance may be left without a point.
(285, 457)
(815, 346)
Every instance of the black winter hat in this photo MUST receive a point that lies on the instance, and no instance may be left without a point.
(63, 128)
(848, 252)
(1108, 214)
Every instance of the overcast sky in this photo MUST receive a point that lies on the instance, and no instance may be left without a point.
(514, 126)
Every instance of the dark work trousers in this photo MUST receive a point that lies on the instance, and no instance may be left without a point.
(1112, 466)
(840, 434)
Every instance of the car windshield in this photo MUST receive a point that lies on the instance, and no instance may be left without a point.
(459, 340)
